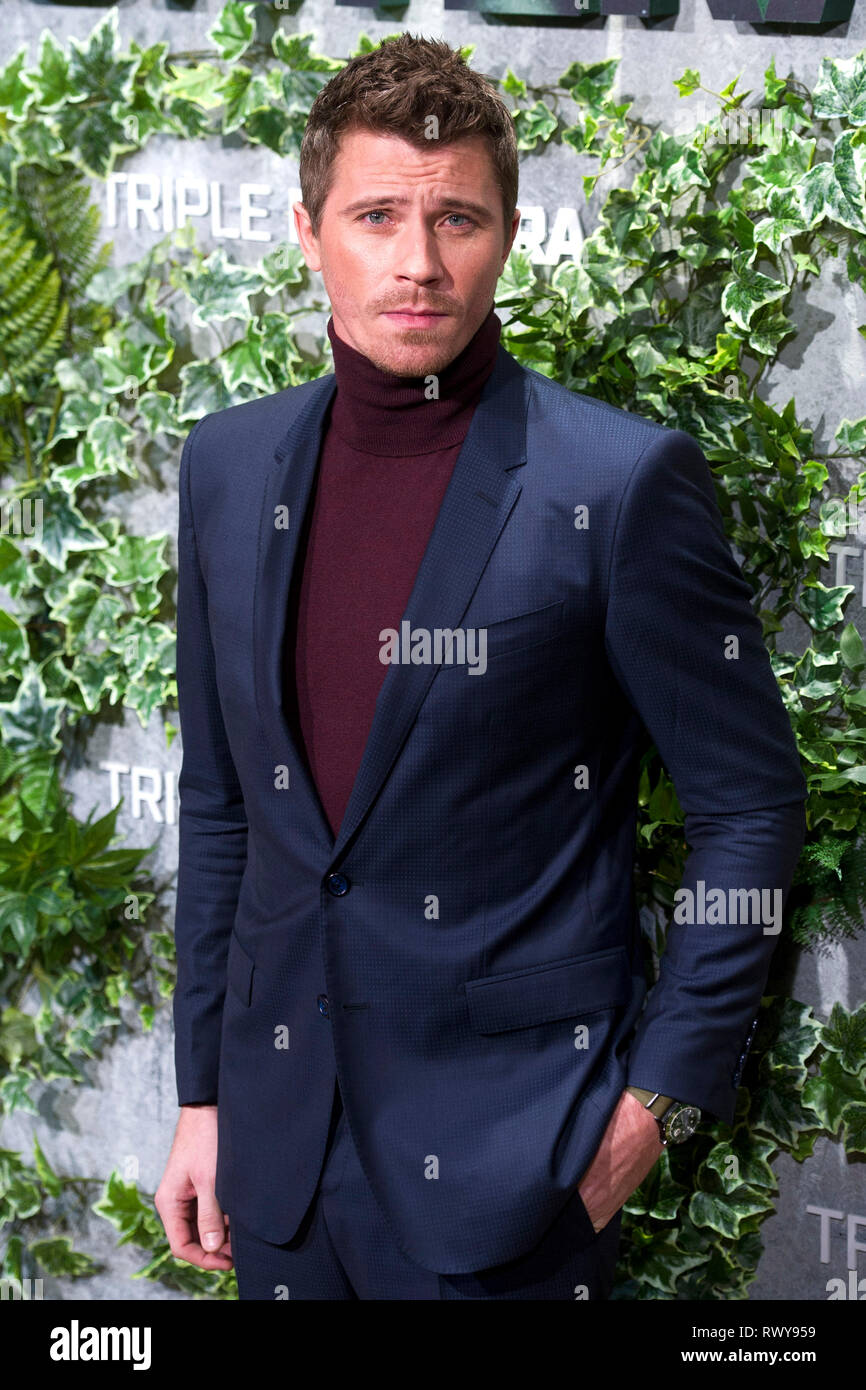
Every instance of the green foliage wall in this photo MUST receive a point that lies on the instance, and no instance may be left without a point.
(684, 295)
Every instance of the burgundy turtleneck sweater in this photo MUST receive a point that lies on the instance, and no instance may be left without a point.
(387, 455)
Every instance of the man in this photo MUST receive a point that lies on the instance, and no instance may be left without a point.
(431, 610)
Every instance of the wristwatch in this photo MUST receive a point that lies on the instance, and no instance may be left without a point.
(676, 1120)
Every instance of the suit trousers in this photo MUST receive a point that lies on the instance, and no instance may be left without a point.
(344, 1249)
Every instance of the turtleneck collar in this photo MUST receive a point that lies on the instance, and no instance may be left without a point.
(376, 412)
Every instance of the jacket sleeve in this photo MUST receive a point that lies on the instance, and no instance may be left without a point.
(212, 826)
(687, 649)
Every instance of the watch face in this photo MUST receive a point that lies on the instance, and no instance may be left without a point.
(683, 1124)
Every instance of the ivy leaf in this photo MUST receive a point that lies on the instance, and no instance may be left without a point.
(298, 91)
(744, 1160)
(534, 123)
(589, 83)
(677, 165)
(97, 676)
(96, 66)
(832, 1090)
(822, 606)
(147, 699)
(669, 1194)
(243, 92)
(158, 410)
(19, 1196)
(773, 85)
(233, 31)
(778, 1110)
(138, 347)
(76, 414)
(769, 328)
(851, 434)
(148, 646)
(31, 721)
(103, 452)
(219, 289)
(88, 613)
(15, 1095)
(747, 291)
(785, 163)
(518, 275)
(851, 648)
(56, 1256)
(817, 690)
(203, 391)
(513, 86)
(833, 189)
(854, 1129)
(47, 1175)
(38, 786)
(785, 220)
(661, 1263)
(14, 648)
(804, 1144)
(840, 89)
(121, 1204)
(242, 363)
(18, 1038)
(845, 1034)
(108, 286)
(94, 131)
(723, 1213)
(294, 51)
(63, 529)
(16, 89)
(198, 84)
(282, 268)
(688, 83)
(276, 128)
(834, 781)
(136, 562)
(54, 1065)
(94, 136)
(50, 79)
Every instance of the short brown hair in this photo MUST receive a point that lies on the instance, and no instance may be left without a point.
(395, 89)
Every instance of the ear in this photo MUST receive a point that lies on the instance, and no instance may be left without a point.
(515, 223)
(309, 242)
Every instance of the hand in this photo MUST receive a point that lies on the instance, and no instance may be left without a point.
(196, 1228)
(629, 1147)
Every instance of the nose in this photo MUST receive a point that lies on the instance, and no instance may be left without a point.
(417, 255)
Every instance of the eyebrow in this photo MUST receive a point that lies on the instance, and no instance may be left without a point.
(399, 200)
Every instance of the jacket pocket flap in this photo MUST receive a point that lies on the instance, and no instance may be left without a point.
(524, 629)
(541, 993)
(239, 970)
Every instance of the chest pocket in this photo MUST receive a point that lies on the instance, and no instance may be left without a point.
(524, 629)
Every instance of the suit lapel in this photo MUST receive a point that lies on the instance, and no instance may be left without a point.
(286, 495)
(480, 495)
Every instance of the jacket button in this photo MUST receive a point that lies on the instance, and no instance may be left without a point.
(337, 884)
(322, 1002)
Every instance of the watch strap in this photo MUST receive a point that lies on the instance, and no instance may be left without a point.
(658, 1105)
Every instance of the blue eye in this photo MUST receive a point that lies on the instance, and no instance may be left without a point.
(380, 212)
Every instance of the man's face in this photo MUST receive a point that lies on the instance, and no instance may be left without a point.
(406, 228)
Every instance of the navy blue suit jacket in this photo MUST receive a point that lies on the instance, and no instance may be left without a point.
(464, 957)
